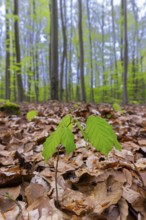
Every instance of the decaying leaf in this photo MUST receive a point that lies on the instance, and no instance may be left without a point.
(123, 209)
(76, 202)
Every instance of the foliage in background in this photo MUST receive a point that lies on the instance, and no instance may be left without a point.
(105, 69)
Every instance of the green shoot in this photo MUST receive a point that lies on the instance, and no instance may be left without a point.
(31, 114)
(98, 132)
(118, 108)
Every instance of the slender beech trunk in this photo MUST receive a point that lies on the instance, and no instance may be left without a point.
(81, 46)
(7, 68)
(121, 39)
(78, 85)
(125, 94)
(135, 51)
(70, 54)
(54, 50)
(103, 49)
(35, 58)
(114, 47)
(91, 54)
(64, 54)
(66, 42)
(18, 55)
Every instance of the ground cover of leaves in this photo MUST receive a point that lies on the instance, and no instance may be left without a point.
(90, 185)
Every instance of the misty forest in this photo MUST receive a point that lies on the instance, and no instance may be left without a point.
(87, 50)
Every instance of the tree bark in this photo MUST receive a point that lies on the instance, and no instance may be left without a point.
(64, 54)
(18, 55)
(135, 51)
(80, 30)
(35, 58)
(7, 68)
(103, 50)
(125, 61)
(91, 54)
(54, 50)
(70, 54)
(114, 47)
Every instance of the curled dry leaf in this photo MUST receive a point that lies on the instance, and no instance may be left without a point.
(141, 164)
(106, 195)
(123, 208)
(76, 202)
(2, 216)
(33, 192)
(142, 142)
(10, 176)
(128, 177)
(41, 203)
(16, 211)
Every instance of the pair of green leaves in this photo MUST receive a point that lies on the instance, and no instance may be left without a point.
(98, 132)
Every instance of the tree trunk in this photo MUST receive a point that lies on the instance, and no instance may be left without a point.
(70, 54)
(54, 50)
(7, 68)
(66, 43)
(135, 51)
(114, 47)
(64, 55)
(91, 55)
(78, 84)
(83, 94)
(125, 61)
(35, 59)
(103, 50)
(18, 55)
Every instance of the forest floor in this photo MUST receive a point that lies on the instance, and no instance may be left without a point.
(90, 185)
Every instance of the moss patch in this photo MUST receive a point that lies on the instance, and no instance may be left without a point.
(9, 107)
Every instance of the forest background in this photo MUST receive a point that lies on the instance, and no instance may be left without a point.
(76, 50)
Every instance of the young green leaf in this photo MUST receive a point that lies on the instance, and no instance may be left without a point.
(31, 114)
(101, 135)
(67, 139)
(62, 136)
(66, 121)
(51, 143)
(117, 107)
